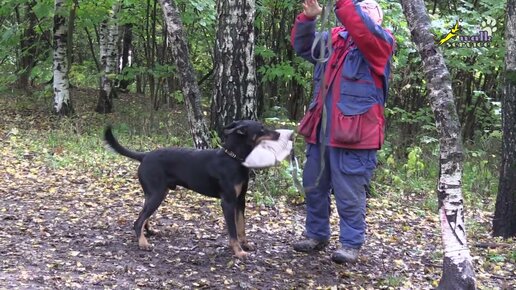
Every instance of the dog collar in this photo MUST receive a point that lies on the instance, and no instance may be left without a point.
(232, 155)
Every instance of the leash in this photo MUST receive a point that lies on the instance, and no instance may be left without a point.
(323, 45)
(319, 37)
(325, 52)
(294, 167)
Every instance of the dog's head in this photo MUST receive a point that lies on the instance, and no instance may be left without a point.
(252, 131)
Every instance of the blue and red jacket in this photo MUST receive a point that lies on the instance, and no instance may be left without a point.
(356, 79)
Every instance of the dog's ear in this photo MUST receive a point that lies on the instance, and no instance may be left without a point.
(237, 127)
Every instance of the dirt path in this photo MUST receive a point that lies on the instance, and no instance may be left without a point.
(63, 228)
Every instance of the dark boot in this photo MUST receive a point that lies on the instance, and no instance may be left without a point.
(310, 245)
(345, 255)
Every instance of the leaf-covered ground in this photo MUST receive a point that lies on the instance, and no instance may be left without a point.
(69, 225)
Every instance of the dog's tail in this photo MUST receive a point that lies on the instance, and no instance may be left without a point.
(113, 144)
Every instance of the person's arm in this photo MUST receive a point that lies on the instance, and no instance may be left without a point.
(372, 40)
(303, 33)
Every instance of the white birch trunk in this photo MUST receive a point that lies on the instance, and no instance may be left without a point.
(112, 41)
(234, 95)
(457, 264)
(62, 101)
(108, 42)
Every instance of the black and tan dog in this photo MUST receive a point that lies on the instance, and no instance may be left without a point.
(217, 173)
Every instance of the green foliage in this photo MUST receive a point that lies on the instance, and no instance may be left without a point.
(278, 181)
(282, 71)
(414, 165)
(481, 170)
(496, 258)
(85, 75)
(416, 171)
(273, 183)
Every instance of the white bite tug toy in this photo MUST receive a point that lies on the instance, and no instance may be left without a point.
(270, 153)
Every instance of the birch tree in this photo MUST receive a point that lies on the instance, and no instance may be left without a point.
(61, 85)
(190, 89)
(234, 94)
(458, 270)
(504, 222)
(108, 60)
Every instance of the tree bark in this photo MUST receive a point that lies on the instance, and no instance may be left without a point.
(71, 29)
(108, 61)
(504, 222)
(28, 47)
(62, 101)
(127, 46)
(234, 95)
(191, 92)
(457, 265)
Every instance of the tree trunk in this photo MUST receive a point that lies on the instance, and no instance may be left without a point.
(191, 92)
(108, 61)
(504, 222)
(71, 30)
(62, 101)
(234, 95)
(28, 47)
(127, 44)
(457, 266)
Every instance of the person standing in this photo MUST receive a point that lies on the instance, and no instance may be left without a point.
(344, 124)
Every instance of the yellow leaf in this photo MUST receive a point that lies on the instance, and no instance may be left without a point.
(74, 253)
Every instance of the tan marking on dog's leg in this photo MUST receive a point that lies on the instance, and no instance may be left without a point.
(239, 216)
(142, 240)
(235, 245)
(238, 189)
(240, 223)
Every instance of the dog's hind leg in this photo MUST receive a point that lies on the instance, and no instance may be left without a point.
(153, 198)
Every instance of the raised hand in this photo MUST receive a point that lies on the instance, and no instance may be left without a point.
(311, 8)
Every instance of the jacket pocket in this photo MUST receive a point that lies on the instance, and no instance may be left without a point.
(307, 123)
(348, 129)
(356, 98)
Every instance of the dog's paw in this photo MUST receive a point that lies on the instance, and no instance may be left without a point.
(241, 255)
(247, 246)
(145, 246)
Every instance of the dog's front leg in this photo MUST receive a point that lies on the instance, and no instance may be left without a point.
(240, 220)
(229, 205)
